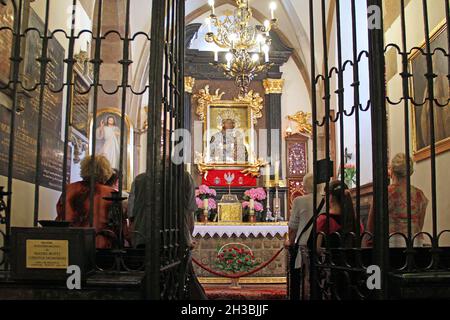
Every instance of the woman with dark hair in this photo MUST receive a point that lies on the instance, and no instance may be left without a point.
(342, 217)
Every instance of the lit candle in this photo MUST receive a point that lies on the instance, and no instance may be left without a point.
(211, 3)
(273, 7)
(252, 205)
(266, 53)
(267, 175)
(208, 22)
(277, 172)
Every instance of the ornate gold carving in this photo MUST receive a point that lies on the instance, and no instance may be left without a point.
(273, 86)
(189, 83)
(205, 98)
(256, 103)
(303, 121)
(254, 169)
(230, 212)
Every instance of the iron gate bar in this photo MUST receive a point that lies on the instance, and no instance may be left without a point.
(125, 62)
(16, 59)
(97, 62)
(313, 257)
(356, 105)
(379, 147)
(154, 168)
(430, 79)
(405, 83)
(70, 61)
(43, 60)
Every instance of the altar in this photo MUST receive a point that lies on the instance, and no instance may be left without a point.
(263, 239)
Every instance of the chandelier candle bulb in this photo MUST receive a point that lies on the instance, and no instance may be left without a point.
(273, 7)
(211, 3)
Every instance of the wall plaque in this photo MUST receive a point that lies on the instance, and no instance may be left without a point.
(47, 254)
(25, 132)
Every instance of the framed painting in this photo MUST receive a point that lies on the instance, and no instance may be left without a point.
(107, 142)
(421, 121)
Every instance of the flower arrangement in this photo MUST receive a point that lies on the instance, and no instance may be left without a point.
(235, 258)
(257, 195)
(205, 193)
(349, 174)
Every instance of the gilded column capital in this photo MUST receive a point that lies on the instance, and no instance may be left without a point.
(272, 86)
(189, 83)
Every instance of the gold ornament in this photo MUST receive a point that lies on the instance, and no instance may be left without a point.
(205, 98)
(303, 121)
(189, 83)
(273, 86)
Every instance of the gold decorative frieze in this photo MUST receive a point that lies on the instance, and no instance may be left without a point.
(273, 86)
(204, 99)
(189, 83)
(256, 103)
(303, 121)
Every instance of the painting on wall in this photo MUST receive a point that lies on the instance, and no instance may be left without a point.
(421, 121)
(108, 136)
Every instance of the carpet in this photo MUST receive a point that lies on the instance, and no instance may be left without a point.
(246, 292)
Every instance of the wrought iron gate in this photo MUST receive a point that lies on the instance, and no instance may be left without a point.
(165, 256)
(340, 271)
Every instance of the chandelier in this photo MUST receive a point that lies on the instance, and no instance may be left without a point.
(239, 38)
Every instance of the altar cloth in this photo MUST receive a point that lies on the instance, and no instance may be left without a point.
(256, 230)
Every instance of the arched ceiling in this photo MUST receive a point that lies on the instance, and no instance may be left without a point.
(293, 28)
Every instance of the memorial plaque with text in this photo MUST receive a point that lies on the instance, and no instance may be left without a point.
(24, 159)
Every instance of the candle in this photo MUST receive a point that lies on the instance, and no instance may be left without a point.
(216, 55)
(273, 7)
(206, 204)
(211, 3)
(267, 175)
(252, 205)
(277, 172)
(208, 22)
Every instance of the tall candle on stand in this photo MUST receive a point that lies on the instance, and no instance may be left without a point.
(205, 209)
(252, 210)
(277, 173)
(267, 176)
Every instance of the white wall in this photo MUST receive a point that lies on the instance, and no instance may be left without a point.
(422, 175)
(365, 117)
(295, 98)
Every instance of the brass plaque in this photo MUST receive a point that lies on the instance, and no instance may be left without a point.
(230, 212)
(47, 254)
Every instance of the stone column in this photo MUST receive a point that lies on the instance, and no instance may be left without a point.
(273, 90)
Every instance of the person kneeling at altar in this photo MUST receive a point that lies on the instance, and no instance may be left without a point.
(78, 200)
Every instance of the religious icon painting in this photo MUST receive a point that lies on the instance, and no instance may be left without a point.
(421, 115)
(108, 142)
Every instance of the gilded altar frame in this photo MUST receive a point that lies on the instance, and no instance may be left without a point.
(209, 105)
